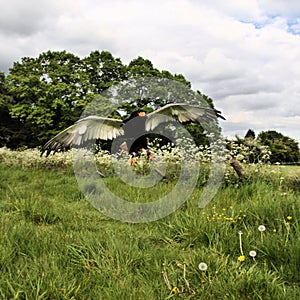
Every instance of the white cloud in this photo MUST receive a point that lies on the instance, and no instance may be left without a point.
(244, 54)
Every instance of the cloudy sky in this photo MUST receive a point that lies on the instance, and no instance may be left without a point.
(245, 54)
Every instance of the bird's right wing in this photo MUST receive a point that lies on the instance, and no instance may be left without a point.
(86, 129)
(181, 112)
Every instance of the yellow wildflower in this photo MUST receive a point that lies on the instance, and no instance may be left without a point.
(241, 258)
(289, 218)
(175, 290)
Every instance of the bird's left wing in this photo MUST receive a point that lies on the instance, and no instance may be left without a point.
(181, 112)
(86, 129)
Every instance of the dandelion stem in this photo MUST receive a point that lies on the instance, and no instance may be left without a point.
(166, 279)
(203, 278)
(241, 245)
(186, 281)
(287, 234)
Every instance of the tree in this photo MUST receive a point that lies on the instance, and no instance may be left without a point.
(250, 134)
(284, 149)
(141, 67)
(49, 93)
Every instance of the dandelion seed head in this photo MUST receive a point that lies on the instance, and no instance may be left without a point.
(252, 253)
(202, 266)
(261, 228)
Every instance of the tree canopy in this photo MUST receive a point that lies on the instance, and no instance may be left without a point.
(284, 149)
(43, 95)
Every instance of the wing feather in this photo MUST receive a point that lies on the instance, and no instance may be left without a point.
(181, 112)
(84, 130)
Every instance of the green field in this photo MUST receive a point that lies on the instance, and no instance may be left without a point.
(55, 245)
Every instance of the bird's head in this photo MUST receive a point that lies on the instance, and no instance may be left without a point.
(138, 113)
(141, 113)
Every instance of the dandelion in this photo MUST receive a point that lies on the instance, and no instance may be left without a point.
(261, 228)
(289, 218)
(241, 258)
(252, 253)
(202, 266)
(175, 290)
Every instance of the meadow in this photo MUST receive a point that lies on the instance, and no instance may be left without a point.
(245, 244)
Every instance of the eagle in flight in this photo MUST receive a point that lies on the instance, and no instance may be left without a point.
(133, 130)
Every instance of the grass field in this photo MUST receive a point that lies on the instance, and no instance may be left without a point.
(55, 245)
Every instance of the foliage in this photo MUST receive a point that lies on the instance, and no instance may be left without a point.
(250, 134)
(168, 153)
(49, 93)
(103, 70)
(248, 150)
(11, 131)
(284, 149)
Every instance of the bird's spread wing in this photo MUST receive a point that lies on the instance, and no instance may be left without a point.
(87, 129)
(183, 113)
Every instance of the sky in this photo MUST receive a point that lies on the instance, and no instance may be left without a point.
(244, 54)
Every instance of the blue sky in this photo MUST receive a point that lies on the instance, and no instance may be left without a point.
(244, 54)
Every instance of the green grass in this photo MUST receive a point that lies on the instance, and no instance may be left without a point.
(55, 245)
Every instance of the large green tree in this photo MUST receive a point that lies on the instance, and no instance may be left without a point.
(177, 88)
(284, 149)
